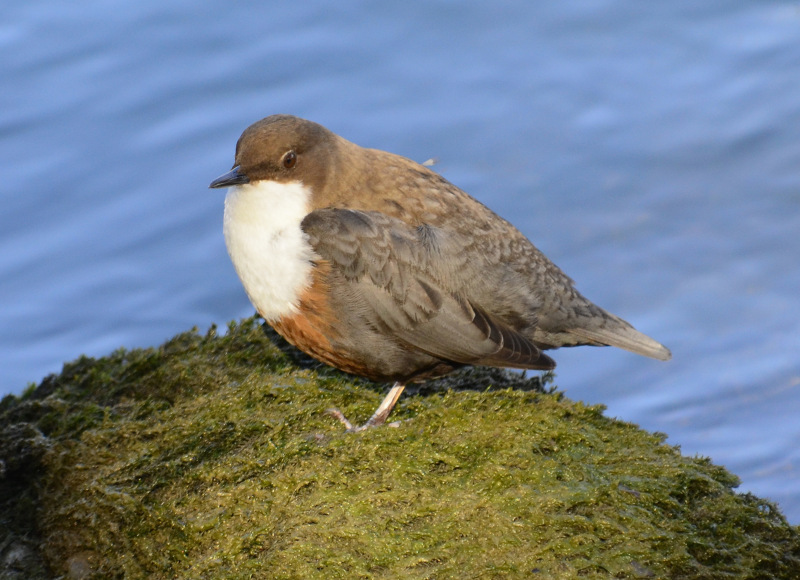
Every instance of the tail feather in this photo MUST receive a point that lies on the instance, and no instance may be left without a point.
(626, 337)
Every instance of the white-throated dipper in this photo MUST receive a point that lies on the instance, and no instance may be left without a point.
(380, 267)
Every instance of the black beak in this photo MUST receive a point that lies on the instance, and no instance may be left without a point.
(233, 177)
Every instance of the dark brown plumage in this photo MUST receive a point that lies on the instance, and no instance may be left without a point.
(403, 276)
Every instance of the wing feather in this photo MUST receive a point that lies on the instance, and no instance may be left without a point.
(411, 282)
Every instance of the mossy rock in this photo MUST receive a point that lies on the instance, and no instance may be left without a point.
(213, 457)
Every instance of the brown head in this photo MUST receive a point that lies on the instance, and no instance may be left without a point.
(284, 149)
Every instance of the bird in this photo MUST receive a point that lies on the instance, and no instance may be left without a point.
(380, 267)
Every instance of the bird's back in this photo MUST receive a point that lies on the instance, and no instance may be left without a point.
(491, 261)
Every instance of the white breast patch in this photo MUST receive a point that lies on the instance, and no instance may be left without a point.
(270, 252)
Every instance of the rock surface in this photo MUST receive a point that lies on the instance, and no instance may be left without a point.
(213, 457)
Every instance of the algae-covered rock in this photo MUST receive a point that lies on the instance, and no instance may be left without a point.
(213, 457)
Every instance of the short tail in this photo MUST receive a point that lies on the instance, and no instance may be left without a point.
(622, 335)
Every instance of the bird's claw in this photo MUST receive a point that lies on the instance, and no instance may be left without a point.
(372, 422)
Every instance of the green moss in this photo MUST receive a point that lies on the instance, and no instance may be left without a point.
(213, 457)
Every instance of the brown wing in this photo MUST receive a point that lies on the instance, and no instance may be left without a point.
(414, 283)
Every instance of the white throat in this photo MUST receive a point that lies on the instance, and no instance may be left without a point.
(270, 252)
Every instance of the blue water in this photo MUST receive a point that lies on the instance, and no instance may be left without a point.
(651, 150)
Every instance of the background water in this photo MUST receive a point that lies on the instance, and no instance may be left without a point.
(652, 150)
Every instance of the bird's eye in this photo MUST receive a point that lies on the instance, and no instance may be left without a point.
(290, 159)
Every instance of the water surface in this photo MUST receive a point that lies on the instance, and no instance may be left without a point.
(652, 151)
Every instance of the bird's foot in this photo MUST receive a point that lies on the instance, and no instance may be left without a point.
(372, 422)
(381, 413)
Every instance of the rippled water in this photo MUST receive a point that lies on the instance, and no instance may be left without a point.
(652, 151)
